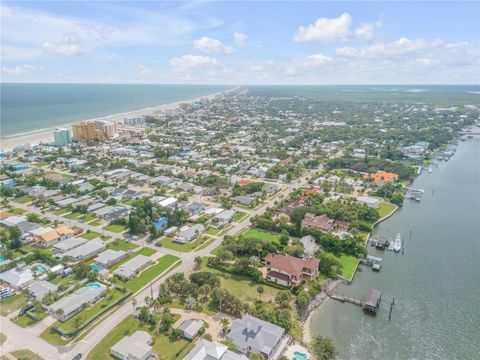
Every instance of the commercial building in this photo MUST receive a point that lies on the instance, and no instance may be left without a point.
(86, 130)
(134, 347)
(62, 137)
(70, 305)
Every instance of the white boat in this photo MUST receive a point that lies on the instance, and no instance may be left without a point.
(429, 170)
(397, 245)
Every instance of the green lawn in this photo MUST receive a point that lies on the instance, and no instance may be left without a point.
(90, 235)
(239, 215)
(168, 243)
(162, 346)
(23, 199)
(26, 321)
(26, 354)
(13, 303)
(17, 211)
(73, 216)
(114, 228)
(348, 262)
(144, 251)
(241, 286)
(61, 211)
(201, 308)
(385, 208)
(96, 222)
(149, 274)
(213, 231)
(120, 244)
(262, 235)
(41, 163)
(88, 217)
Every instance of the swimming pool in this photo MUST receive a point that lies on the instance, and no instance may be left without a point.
(2, 259)
(96, 267)
(299, 355)
(41, 268)
(94, 286)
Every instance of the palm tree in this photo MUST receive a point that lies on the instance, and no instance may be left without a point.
(323, 348)
(59, 312)
(225, 325)
(134, 304)
(260, 291)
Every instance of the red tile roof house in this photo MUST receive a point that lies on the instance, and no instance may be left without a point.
(322, 222)
(290, 271)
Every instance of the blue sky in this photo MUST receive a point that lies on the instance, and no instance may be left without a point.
(241, 42)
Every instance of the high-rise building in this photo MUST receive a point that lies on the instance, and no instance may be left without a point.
(87, 130)
(62, 137)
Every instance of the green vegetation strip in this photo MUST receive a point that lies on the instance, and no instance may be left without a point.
(168, 243)
(120, 244)
(114, 228)
(90, 235)
(26, 354)
(385, 209)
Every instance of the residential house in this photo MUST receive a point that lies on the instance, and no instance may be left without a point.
(110, 257)
(189, 233)
(137, 346)
(322, 222)
(290, 271)
(224, 218)
(252, 335)
(190, 328)
(310, 246)
(54, 236)
(132, 267)
(212, 350)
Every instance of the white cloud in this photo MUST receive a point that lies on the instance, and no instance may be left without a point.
(193, 61)
(68, 46)
(366, 30)
(401, 47)
(143, 70)
(325, 30)
(19, 70)
(240, 39)
(212, 46)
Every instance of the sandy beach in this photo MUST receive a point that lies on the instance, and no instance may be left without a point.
(45, 136)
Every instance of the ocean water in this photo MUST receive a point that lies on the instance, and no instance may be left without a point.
(31, 107)
(435, 283)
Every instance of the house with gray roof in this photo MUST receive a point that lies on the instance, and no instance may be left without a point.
(70, 305)
(190, 328)
(85, 251)
(132, 266)
(212, 350)
(252, 335)
(223, 218)
(39, 289)
(137, 346)
(69, 244)
(110, 257)
(18, 278)
(188, 234)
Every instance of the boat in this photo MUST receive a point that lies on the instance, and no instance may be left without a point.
(397, 245)
(429, 170)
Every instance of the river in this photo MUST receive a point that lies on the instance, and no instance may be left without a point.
(436, 282)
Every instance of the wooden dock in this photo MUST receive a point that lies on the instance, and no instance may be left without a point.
(370, 304)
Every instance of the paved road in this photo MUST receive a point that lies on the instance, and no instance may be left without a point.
(19, 338)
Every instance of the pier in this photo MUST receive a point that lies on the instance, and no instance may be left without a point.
(370, 304)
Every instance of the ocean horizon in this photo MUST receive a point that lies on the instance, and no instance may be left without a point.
(28, 108)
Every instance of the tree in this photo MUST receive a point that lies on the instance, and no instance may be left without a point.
(134, 304)
(32, 217)
(198, 262)
(15, 238)
(260, 291)
(225, 322)
(284, 238)
(322, 348)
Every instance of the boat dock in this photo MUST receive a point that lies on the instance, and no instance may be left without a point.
(370, 304)
(374, 262)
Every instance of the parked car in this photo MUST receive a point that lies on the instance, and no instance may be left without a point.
(77, 357)
(24, 310)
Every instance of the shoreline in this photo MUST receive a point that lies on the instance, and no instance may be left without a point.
(45, 135)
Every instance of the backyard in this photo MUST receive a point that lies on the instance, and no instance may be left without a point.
(385, 208)
(162, 346)
(114, 228)
(262, 235)
(120, 244)
(202, 242)
(90, 235)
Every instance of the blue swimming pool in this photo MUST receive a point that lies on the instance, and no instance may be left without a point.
(2, 259)
(41, 268)
(96, 267)
(299, 355)
(94, 286)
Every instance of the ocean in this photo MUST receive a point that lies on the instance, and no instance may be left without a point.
(27, 108)
(435, 283)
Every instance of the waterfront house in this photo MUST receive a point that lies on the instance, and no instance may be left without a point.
(322, 222)
(290, 271)
(250, 335)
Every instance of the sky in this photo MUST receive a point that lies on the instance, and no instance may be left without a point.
(241, 42)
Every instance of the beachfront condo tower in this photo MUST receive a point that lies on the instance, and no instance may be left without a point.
(62, 137)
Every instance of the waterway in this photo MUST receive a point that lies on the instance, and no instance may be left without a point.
(436, 282)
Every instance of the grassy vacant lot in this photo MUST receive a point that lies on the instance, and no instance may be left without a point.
(241, 286)
(73, 215)
(15, 302)
(198, 307)
(162, 346)
(149, 274)
(17, 211)
(120, 244)
(144, 251)
(213, 231)
(26, 354)
(348, 262)
(114, 228)
(239, 216)
(168, 243)
(61, 211)
(96, 222)
(385, 208)
(262, 235)
(23, 199)
(88, 217)
(90, 235)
